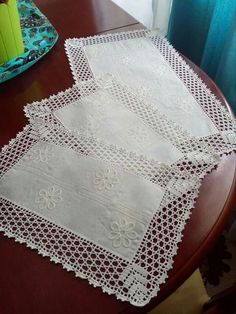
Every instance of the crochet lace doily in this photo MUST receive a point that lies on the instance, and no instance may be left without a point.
(156, 73)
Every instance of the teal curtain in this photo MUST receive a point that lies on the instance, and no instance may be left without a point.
(205, 32)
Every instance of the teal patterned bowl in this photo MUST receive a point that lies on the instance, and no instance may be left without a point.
(39, 37)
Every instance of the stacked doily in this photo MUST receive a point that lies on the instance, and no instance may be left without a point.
(104, 177)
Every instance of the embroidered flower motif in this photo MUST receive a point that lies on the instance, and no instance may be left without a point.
(97, 50)
(143, 91)
(160, 70)
(179, 103)
(40, 154)
(49, 198)
(184, 105)
(99, 103)
(105, 179)
(138, 133)
(90, 128)
(141, 45)
(127, 60)
(122, 233)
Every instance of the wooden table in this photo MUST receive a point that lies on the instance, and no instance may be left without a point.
(30, 284)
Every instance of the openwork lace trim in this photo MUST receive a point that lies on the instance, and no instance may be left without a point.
(224, 141)
(136, 281)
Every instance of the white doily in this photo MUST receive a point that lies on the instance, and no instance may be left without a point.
(156, 73)
(109, 215)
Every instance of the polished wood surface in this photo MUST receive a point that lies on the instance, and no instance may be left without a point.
(30, 284)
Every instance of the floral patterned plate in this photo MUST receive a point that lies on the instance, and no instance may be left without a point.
(39, 37)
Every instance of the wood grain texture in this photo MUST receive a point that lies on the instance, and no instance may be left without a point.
(30, 284)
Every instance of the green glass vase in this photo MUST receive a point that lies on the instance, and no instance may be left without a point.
(11, 41)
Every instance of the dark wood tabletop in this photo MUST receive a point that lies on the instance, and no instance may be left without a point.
(31, 284)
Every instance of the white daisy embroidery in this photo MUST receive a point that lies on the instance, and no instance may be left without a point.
(122, 233)
(40, 154)
(105, 179)
(138, 133)
(48, 198)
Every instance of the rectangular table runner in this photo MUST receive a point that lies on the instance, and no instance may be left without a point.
(107, 110)
(109, 215)
(156, 73)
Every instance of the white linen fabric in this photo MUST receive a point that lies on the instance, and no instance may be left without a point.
(148, 65)
(109, 215)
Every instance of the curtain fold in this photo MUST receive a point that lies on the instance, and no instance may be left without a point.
(205, 32)
(161, 13)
